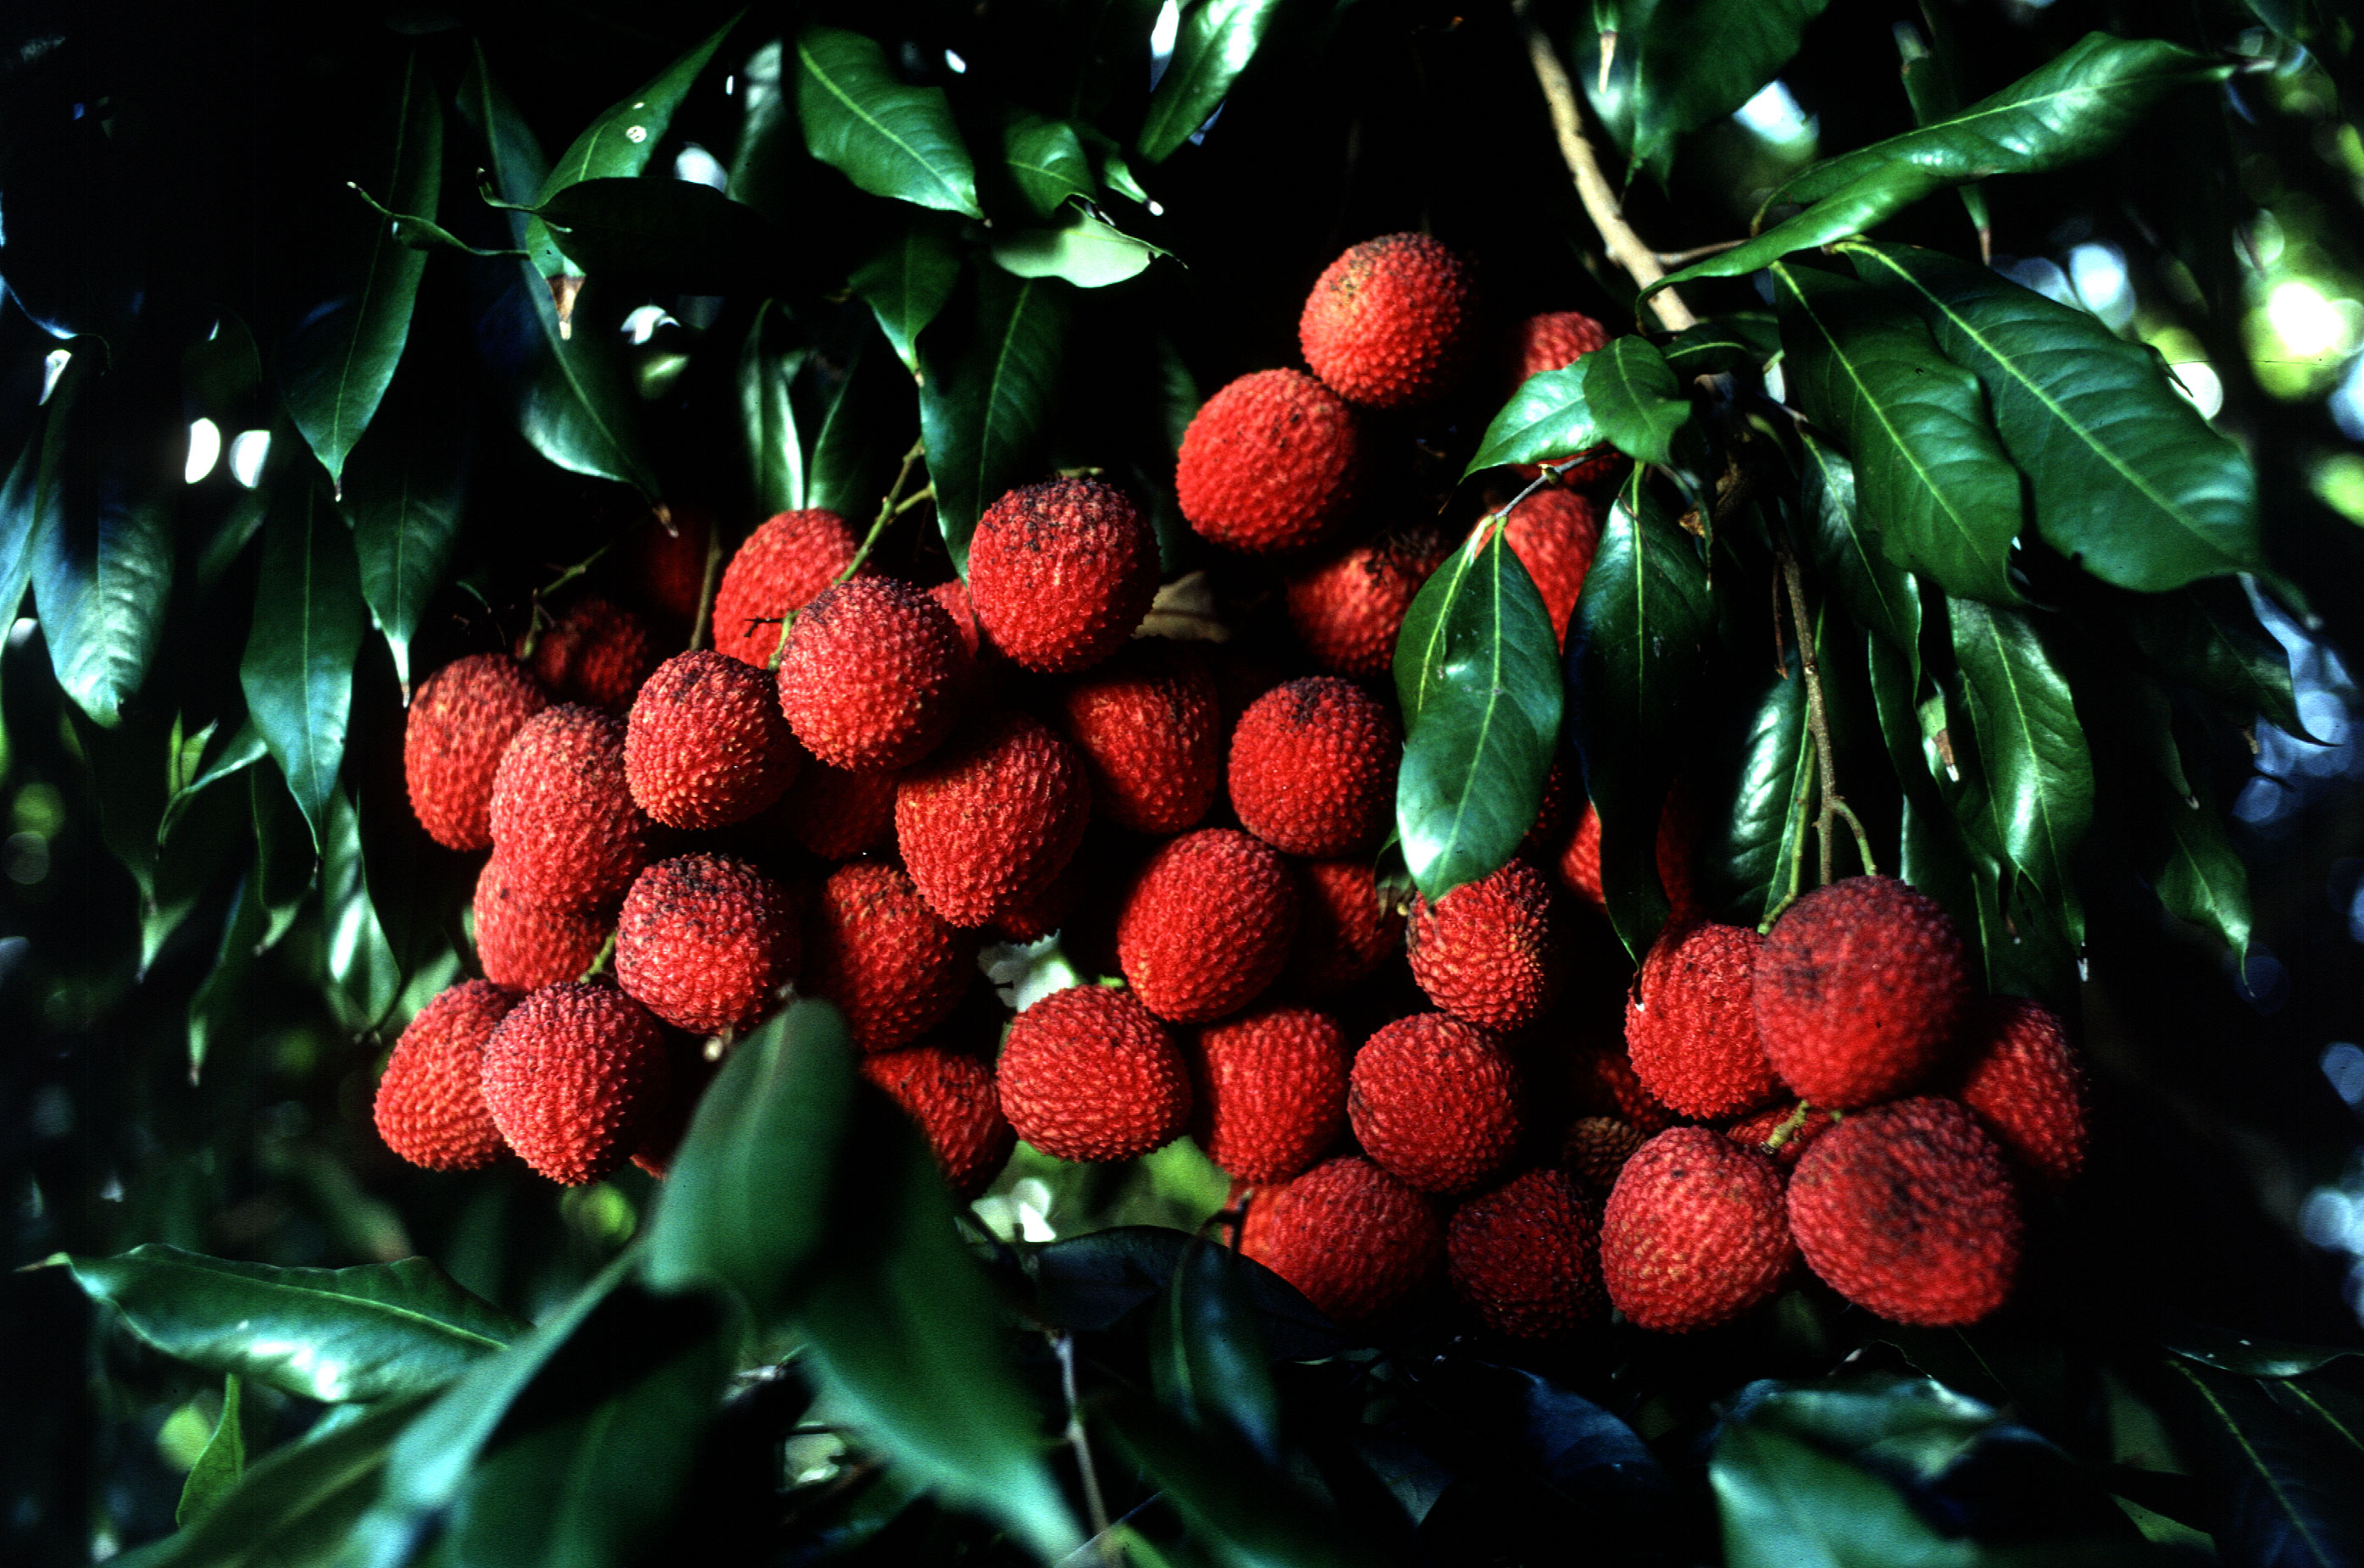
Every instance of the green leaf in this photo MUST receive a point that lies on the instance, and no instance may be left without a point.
(2193, 867)
(2207, 637)
(907, 282)
(20, 526)
(365, 1333)
(1934, 480)
(2126, 477)
(744, 1206)
(889, 138)
(218, 1006)
(677, 235)
(403, 489)
(1046, 160)
(298, 669)
(359, 958)
(1208, 1351)
(1683, 63)
(229, 757)
(1246, 1516)
(1776, 775)
(990, 379)
(340, 361)
(2252, 1355)
(869, 426)
(768, 363)
(1740, 340)
(1087, 250)
(1476, 670)
(1880, 596)
(1787, 1504)
(1932, 87)
(1547, 419)
(287, 864)
(1216, 42)
(220, 1463)
(2284, 1490)
(1634, 398)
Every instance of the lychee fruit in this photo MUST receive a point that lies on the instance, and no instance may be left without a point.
(1347, 609)
(2024, 1083)
(1273, 461)
(838, 815)
(1524, 1257)
(669, 564)
(891, 965)
(430, 1102)
(1391, 323)
(1554, 533)
(706, 942)
(595, 653)
(1060, 574)
(1086, 1073)
(1435, 1100)
(461, 720)
(1149, 725)
(1556, 340)
(1908, 1209)
(872, 674)
(1206, 924)
(574, 1076)
(1345, 927)
(1601, 1083)
(563, 816)
(1554, 814)
(1491, 951)
(1313, 768)
(1270, 1090)
(1693, 1235)
(1579, 867)
(1691, 1029)
(951, 1097)
(706, 744)
(1595, 1148)
(953, 594)
(1861, 990)
(1758, 1129)
(524, 944)
(987, 824)
(1355, 1241)
(774, 574)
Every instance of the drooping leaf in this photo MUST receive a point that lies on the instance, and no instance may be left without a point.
(1879, 594)
(19, 517)
(1547, 418)
(2126, 477)
(1932, 475)
(286, 862)
(1208, 1351)
(768, 363)
(1217, 40)
(343, 358)
(907, 280)
(990, 374)
(1085, 250)
(871, 423)
(358, 1334)
(220, 1463)
(2207, 636)
(1776, 776)
(1931, 74)
(1046, 160)
(1477, 672)
(1633, 399)
(1681, 63)
(224, 757)
(191, 853)
(403, 489)
(2281, 1493)
(2194, 869)
(889, 138)
(366, 971)
(677, 235)
(298, 669)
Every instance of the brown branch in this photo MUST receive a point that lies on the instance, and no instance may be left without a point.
(1063, 1343)
(1818, 723)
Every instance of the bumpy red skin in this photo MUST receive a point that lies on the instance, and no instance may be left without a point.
(1579, 867)
(1271, 1091)
(524, 944)
(1554, 814)
(2024, 1083)
(1313, 768)
(1355, 1241)
(1525, 1258)
(1060, 573)
(1755, 1130)
(575, 1075)
(1908, 1210)
(1554, 534)
(1436, 1101)
(1149, 728)
(564, 817)
(1556, 340)
(461, 720)
(989, 823)
(1860, 991)
(951, 1097)
(431, 1104)
(1391, 323)
(872, 675)
(1206, 924)
(706, 744)
(1596, 1148)
(1603, 1084)
(1086, 1073)
(706, 942)
(778, 570)
(596, 652)
(1691, 1032)
(1694, 1234)
(838, 815)
(1274, 461)
(1345, 930)
(1491, 951)
(891, 965)
(1347, 609)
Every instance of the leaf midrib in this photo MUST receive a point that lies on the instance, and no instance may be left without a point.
(803, 56)
(387, 1308)
(2250, 1452)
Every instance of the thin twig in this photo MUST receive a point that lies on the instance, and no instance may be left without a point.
(890, 508)
(707, 585)
(1684, 258)
(1818, 723)
(1094, 1506)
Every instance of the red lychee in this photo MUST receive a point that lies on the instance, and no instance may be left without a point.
(595, 653)
(1206, 924)
(2026, 1088)
(891, 965)
(1390, 324)
(1691, 1032)
(1759, 1130)
(706, 744)
(1596, 1148)
(1060, 573)
(1435, 1100)
(951, 1095)
(706, 942)
(1554, 814)
(1578, 868)
(987, 825)
(1908, 1209)
(1693, 1235)
(1524, 1257)
(1859, 991)
(1353, 1240)
(1554, 533)
(838, 815)
(1601, 1083)
(953, 594)
(1313, 768)
(669, 564)
(1274, 461)
(1150, 728)
(524, 944)
(461, 720)
(1556, 340)
(774, 574)
(574, 1076)
(1491, 951)
(1086, 1073)
(431, 1104)
(563, 815)
(872, 675)
(1347, 609)
(1271, 1091)
(1345, 927)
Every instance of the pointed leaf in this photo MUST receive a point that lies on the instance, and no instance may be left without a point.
(1880, 596)
(218, 1003)
(1740, 340)
(2207, 636)
(1217, 40)
(889, 138)
(1087, 250)
(1668, 78)
(907, 282)
(768, 363)
(1046, 160)
(298, 669)
(1547, 419)
(19, 517)
(1776, 775)
(403, 490)
(1786, 1504)
(990, 376)
(2281, 1490)
(220, 1463)
(1634, 398)
(2197, 872)
(869, 425)
(1208, 1355)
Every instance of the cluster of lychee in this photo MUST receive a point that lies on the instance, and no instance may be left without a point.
(866, 781)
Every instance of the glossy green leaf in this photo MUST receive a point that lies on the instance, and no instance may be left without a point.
(1547, 418)
(19, 518)
(223, 757)
(2126, 477)
(298, 669)
(889, 138)
(2252, 1355)
(286, 862)
(870, 424)
(1634, 399)
(2194, 869)
(1776, 780)
(217, 1006)
(1046, 160)
(1245, 1516)
(1878, 594)
(989, 376)
(1740, 340)
(1934, 483)
(2282, 1489)
(768, 363)
(1785, 1503)
(1930, 70)
(340, 361)
(403, 490)
(1477, 671)
(1216, 42)
(192, 854)
(907, 282)
(1681, 64)
(2207, 636)
(219, 1465)
(363, 1333)
(366, 971)
(1207, 1352)
(1085, 250)
(678, 236)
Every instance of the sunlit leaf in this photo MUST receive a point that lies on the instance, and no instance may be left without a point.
(1667, 78)
(298, 669)
(1634, 399)
(1216, 42)
(889, 138)
(1087, 250)
(1046, 160)
(1547, 418)
(220, 1463)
